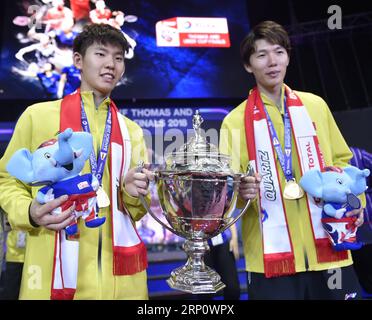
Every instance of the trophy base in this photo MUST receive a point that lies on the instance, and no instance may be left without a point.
(196, 282)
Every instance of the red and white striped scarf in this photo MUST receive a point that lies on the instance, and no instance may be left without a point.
(277, 244)
(129, 252)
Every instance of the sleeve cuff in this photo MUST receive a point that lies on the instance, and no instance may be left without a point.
(21, 219)
(134, 205)
(128, 199)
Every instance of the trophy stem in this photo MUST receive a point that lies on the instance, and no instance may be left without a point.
(195, 277)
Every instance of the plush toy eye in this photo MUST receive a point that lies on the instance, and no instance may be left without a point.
(339, 181)
(47, 155)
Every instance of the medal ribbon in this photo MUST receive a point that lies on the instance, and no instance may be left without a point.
(98, 164)
(285, 158)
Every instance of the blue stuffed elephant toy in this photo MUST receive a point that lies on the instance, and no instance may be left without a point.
(57, 164)
(338, 189)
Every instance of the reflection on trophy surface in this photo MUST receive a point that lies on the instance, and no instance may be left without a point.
(197, 193)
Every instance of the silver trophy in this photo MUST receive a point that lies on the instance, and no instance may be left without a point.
(197, 193)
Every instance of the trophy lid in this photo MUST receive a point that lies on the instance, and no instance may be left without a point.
(198, 154)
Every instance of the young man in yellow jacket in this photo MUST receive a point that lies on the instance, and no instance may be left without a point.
(109, 262)
(283, 133)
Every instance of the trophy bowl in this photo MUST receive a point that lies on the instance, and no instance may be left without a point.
(197, 192)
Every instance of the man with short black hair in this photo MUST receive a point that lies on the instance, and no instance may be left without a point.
(112, 259)
(283, 133)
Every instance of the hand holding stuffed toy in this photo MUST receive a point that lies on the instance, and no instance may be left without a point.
(338, 189)
(57, 164)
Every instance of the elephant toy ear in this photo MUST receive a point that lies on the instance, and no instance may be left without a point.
(312, 183)
(20, 166)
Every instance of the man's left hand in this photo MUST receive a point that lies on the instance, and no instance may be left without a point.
(359, 213)
(249, 186)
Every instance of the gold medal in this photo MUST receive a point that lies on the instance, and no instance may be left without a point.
(292, 190)
(103, 200)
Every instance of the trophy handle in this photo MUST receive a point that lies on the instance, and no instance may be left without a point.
(250, 172)
(139, 168)
(236, 218)
(147, 207)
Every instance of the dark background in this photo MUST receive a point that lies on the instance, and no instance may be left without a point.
(154, 72)
(335, 64)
